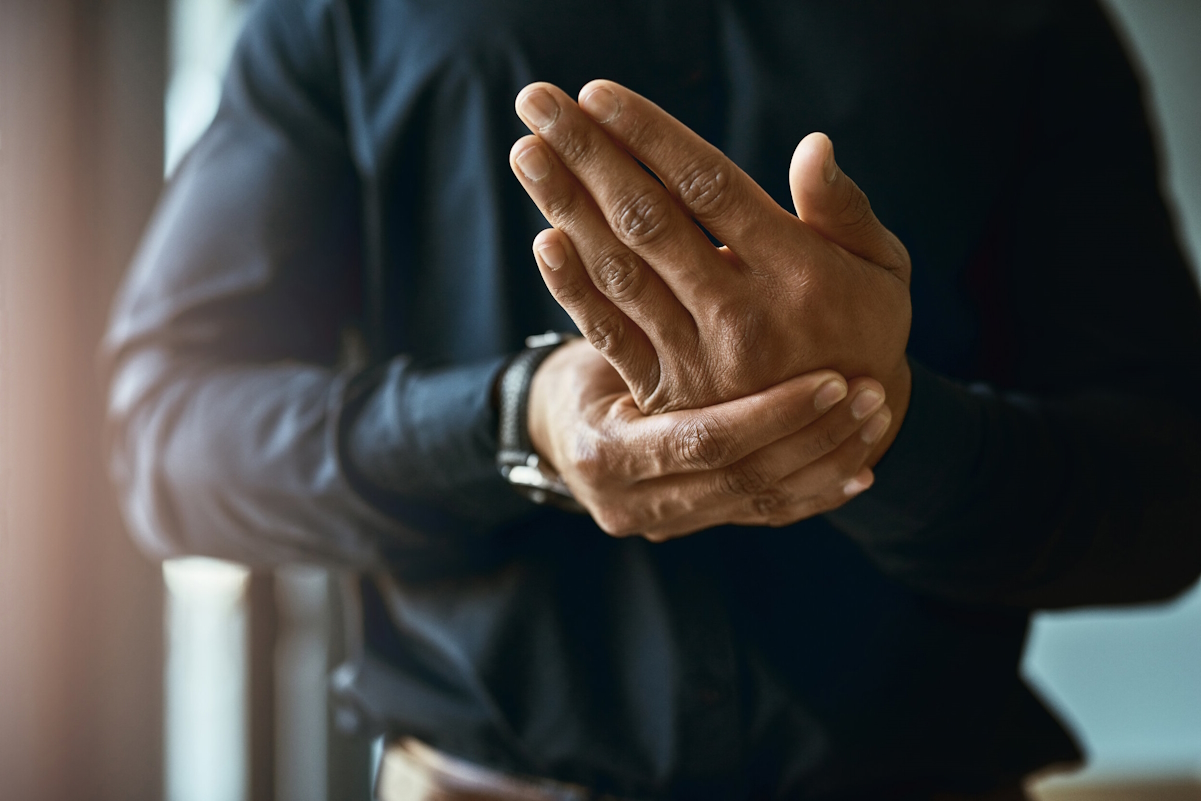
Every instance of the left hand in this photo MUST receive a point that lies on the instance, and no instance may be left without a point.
(826, 288)
(792, 451)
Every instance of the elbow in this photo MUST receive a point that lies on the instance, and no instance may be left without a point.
(137, 418)
(146, 508)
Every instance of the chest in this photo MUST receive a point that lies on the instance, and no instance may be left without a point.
(926, 104)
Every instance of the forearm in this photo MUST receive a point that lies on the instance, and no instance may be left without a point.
(249, 462)
(423, 443)
(1085, 499)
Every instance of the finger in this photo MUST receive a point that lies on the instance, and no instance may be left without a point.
(669, 526)
(639, 211)
(771, 514)
(811, 506)
(833, 205)
(620, 275)
(697, 440)
(749, 490)
(822, 486)
(613, 335)
(759, 471)
(711, 187)
(834, 472)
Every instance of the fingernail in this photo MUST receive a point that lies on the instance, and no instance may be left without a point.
(874, 429)
(866, 402)
(552, 254)
(533, 163)
(601, 104)
(857, 484)
(539, 108)
(829, 394)
(831, 167)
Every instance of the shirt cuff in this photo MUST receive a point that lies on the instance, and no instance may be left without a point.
(929, 468)
(424, 442)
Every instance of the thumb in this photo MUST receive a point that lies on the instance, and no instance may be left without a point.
(829, 202)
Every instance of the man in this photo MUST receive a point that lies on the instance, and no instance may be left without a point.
(1016, 383)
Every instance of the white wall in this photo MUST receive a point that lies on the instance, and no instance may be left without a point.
(1130, 681)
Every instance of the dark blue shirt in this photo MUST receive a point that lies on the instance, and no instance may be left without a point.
(354, 188)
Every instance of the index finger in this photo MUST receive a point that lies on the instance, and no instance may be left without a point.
(714, 190)
(637, 211)
(696, 440)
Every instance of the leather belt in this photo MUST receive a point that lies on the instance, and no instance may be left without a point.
(413, 771)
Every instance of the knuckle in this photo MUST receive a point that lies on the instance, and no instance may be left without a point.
(745, 477)
(607, 335)
(641, 218)
(770, 505)
(639, 133)
(824, 440)
(700, 444)
(856, 213)
(620, 276)
(574, 145)
(741, 330)
(560, 207)
(571, 294)
(827, 440)
(706, 187)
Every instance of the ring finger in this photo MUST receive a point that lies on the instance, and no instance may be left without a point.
(620, 274)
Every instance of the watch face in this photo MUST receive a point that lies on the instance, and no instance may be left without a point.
(534, 482)
(523, 475)
(549, 338)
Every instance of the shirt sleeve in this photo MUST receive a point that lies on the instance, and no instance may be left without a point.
(1072, 474)
(233, 432)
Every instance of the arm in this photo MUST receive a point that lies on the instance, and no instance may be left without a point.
(794, 450)
(236, 434)
(1085, 486)
(233, 431)
(1075, 477)
(687, 324)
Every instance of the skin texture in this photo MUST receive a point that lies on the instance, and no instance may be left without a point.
(789, 452)
(688, 326)
(685, 323)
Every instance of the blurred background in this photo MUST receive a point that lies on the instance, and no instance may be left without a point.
(124, 679)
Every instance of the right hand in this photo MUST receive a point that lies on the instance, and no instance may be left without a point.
(786, 453)
(688, 324)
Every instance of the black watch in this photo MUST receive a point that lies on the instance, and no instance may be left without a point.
(515, 455)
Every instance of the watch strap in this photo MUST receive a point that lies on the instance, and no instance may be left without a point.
(515, 456)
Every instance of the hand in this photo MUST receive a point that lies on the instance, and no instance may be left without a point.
(685, 323)
(789, 452)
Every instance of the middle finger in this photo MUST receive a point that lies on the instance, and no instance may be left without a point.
(712, 497)
(639, 211)
(620, 275)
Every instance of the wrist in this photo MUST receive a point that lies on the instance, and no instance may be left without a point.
(563, 390)
(538, 420)
(517, 458)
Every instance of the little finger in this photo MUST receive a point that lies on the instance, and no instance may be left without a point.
(755, 473)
